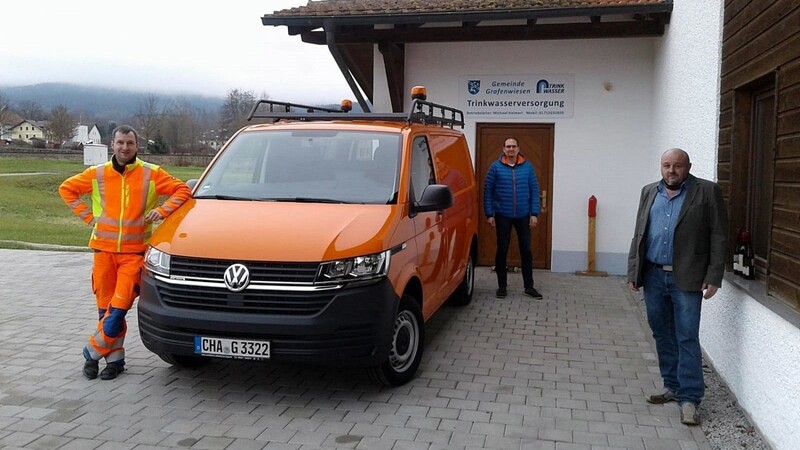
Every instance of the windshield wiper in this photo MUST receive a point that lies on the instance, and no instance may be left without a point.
(305, 200)
(225, 197)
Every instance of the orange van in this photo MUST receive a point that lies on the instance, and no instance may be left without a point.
(326, 237)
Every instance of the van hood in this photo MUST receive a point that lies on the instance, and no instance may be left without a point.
(274, 231)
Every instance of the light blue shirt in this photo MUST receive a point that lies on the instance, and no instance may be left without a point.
(661, 224)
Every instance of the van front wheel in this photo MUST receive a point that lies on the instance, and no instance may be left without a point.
(405, 352)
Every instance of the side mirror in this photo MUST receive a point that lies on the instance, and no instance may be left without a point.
(435, 197)
(191, 183)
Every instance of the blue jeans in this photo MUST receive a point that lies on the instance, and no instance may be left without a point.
(674, 318)
(503, 227)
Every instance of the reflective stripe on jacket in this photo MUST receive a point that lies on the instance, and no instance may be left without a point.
(120, 202)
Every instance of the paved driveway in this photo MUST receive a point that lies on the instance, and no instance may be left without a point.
(566, 372)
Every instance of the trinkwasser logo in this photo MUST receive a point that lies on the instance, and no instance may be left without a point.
(474, 86)
(543, 87)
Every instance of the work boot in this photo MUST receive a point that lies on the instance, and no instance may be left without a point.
(111, 371)
(90, 368)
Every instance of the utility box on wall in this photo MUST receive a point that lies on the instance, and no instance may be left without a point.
(94, 154)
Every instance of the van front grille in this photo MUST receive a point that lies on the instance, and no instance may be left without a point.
(274, 272)
(197, 296)
(292, 303)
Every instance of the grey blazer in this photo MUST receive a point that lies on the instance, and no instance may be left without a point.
(700, 242)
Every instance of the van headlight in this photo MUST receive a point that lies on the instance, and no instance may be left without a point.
(156, 261)
(355, 269)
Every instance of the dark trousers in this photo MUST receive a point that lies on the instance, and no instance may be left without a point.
(503, 227)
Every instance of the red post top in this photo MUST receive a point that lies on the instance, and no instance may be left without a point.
(593, 206)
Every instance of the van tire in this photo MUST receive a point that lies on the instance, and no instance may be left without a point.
(182, 360)
(462, 296)
(405, 352)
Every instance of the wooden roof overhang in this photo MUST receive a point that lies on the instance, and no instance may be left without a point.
(351, 28)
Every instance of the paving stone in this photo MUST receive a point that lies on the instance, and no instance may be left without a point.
(566, 372)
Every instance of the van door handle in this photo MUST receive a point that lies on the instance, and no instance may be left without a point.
(543, 201)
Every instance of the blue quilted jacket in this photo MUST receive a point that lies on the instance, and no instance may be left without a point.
(511, 191)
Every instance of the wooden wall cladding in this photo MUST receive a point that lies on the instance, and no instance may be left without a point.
(761, 44)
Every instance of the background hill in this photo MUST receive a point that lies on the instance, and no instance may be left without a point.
(99, 101)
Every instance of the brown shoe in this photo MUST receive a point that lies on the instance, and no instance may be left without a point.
(689, 414)
(659, 399)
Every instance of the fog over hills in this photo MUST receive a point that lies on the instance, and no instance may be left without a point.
(101, 102)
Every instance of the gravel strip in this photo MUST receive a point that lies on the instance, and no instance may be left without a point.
(724, 424)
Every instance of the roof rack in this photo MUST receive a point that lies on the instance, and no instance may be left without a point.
(274, 106)
(422, 111)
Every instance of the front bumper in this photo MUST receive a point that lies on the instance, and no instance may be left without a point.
(353, 327)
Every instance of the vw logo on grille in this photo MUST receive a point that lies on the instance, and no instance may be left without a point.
(237, 277)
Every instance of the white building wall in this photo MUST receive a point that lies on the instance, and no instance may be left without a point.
(757, 353)
(597, 151)
(686, 94)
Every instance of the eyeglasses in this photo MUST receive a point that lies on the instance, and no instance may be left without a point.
(511, 146)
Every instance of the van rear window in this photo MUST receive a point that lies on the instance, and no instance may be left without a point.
(308, 166)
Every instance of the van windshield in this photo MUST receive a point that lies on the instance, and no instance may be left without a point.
(326, 166)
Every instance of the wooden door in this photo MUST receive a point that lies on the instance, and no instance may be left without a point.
(536, 144)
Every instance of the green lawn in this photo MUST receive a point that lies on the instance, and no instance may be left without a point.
(31, 209)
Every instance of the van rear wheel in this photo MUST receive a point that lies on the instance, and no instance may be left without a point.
(462, 296)
(405, 352)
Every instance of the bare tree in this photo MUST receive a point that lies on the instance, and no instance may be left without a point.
(5, 113)
(31, 110)
(233, 113)
(148, 117)
(180, 126)
(62, 124)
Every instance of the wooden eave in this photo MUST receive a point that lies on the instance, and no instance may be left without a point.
(355, 34)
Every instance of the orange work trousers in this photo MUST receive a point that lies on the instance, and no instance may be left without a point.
(115, 282)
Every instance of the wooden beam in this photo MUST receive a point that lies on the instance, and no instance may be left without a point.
(359, 60)
(496, 33)
(394, 62)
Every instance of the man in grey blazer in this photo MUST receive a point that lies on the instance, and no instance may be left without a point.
(678, 256)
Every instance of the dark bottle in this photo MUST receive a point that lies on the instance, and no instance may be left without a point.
(738, 253)
(748, 268)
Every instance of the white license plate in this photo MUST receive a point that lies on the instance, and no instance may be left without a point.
(231, 348)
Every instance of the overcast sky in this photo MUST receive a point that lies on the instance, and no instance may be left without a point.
(206, 47)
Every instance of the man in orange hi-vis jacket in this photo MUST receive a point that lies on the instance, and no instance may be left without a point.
(124, 193)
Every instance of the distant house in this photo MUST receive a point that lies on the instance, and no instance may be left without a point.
(28, 130)
(5, 125)
(212, 139)
(87, 134)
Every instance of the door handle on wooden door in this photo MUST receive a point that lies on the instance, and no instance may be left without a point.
(543, 201)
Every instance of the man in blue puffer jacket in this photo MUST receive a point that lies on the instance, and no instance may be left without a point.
(511, 199)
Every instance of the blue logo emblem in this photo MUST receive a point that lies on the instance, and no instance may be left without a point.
(474, 86)
(541, 86)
